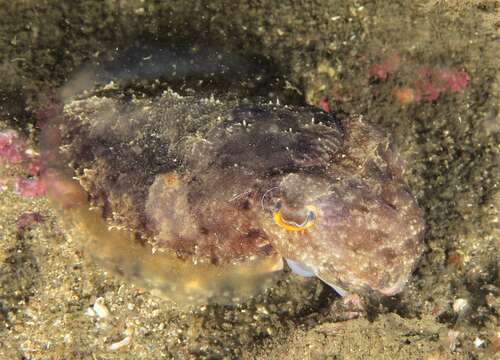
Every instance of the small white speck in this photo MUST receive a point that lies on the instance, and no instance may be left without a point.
(453, 337)
(478, 342)
(117, 345)
(68, 339)
(100, 308)
(459, 305)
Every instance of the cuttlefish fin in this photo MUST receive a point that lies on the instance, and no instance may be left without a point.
(299, 268)
(337, 288)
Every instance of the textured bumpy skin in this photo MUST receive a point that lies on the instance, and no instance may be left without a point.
(368, 231)
(221, 182)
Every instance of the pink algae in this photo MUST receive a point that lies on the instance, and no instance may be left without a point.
(12, 148)
(454, 81)
(432, 83)
(29, 188)
(323, 104)
(429, 85)
(382, 70)
(14, 151)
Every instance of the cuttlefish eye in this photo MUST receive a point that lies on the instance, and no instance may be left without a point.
(293, 219)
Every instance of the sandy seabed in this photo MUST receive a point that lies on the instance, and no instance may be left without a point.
(427, 72)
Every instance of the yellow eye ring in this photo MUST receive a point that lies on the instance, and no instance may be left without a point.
(309, 221)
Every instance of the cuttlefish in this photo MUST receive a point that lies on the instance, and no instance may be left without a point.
(203, 200)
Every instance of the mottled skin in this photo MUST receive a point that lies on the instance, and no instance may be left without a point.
(223, 182)
(369, 229)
